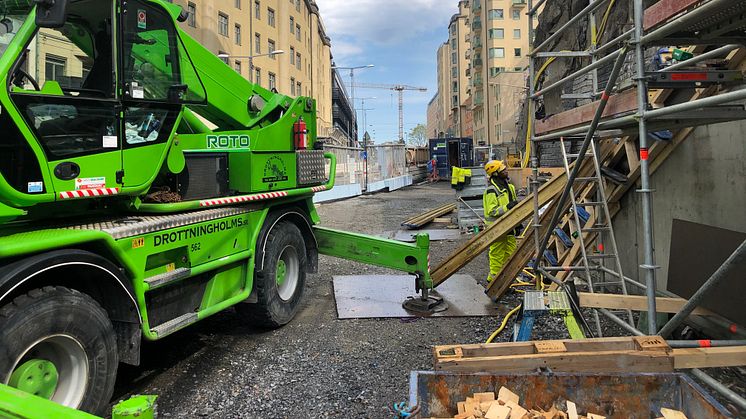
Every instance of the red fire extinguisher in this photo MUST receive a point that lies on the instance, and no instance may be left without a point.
(300, 134)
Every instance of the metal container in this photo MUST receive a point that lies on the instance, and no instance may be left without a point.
(623, 396)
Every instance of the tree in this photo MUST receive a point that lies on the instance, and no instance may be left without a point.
(417, 137)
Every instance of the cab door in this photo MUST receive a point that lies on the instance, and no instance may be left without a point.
(154, 88)
(68, 100)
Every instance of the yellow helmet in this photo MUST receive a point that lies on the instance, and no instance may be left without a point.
(495, 166)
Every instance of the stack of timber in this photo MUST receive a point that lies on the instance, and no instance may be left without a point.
(639, 354)
(425, 218)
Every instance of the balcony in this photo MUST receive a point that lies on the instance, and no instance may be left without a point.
(478, 63)
(476, 25)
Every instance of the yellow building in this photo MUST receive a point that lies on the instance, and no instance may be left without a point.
(499, 43)
(240, 29)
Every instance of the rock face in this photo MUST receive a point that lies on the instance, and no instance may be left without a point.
(575, 38)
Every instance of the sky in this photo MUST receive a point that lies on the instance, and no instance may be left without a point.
(400, 38)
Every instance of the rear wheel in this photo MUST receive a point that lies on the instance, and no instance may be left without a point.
(59, 344)
(279, 286)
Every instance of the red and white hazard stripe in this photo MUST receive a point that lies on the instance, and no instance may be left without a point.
(89, 193)
(318, 188)
(244, 198)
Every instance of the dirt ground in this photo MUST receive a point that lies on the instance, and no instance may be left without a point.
(317, 366)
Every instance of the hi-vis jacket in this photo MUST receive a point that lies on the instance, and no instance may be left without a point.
(496, 199)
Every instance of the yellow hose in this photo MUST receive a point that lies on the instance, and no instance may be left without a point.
(504, 323)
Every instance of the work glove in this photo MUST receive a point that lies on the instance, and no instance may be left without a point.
(512, 204)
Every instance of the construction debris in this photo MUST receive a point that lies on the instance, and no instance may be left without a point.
(427, 217)
(507, 406)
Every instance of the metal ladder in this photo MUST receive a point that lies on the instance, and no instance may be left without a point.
(602, 225)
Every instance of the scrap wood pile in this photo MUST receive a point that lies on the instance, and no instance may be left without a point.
(507, 406)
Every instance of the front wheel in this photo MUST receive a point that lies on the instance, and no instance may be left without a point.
(59, 344)
(280, 285)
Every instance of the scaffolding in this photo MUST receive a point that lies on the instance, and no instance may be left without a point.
(681, 22)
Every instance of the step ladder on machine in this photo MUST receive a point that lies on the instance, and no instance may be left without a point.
(601, 224)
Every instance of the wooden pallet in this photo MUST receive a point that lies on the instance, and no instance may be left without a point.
(639, 354)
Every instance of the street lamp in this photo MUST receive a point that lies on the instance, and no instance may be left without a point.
(251, 60)
(352, 83)
(362, 100)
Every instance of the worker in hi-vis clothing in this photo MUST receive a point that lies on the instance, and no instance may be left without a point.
(499, 198)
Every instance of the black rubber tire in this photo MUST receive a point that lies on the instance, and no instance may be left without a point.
(61, 311)
(270, 311)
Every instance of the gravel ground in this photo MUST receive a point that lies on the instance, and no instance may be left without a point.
(317, 366)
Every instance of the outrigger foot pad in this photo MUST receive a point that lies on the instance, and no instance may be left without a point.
(425, 305)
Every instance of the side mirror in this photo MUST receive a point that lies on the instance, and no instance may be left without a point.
(51, 13)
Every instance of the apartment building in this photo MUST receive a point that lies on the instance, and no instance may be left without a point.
(246, 32)
(499, 44)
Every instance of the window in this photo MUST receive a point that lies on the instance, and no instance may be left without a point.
(292, 56)
(238, 34)
(271, 17)
(258, 76)
(292, 86)
(223, 24)
(297, 60)
(271, 48)
(453, 30)
(455, 86)
(272, 81)
(192, 19)
(223, 56)
(454, 72)
(298, 89)
(297, 32)
(498, 33)
(516, 14)
(517, 52)
(54, 68)
(495, 71)
(454, 58)
(257, 43)
(495, 14)
(497, 52)
(238, 4)
(516, 34)
(297, 5)
(292, 25)
(257, 9)
(453, 43)
(238, 66)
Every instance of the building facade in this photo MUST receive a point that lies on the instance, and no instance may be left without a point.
(481, 69)
(245, 32)
(345, 123)
(499, 43)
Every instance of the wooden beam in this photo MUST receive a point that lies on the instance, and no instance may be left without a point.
(664, 10)
(427, 217)
(727, 356)
(636, 303)
(618, 104)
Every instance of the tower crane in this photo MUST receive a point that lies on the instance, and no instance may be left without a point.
(399, 88)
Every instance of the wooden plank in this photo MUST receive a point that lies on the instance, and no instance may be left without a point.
(428, 216)
(619, 103)
(636, 303)
(476, 350)
(590, 362)
(727, 356)
(664, 10)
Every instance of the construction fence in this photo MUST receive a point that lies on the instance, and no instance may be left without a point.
(387, 169)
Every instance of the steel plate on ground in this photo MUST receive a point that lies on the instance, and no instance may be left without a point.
(377, 296)
(435, 235)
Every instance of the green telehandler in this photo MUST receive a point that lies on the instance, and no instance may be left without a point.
(144, 186)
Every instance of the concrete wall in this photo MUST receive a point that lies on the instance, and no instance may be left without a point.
(703, 181)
